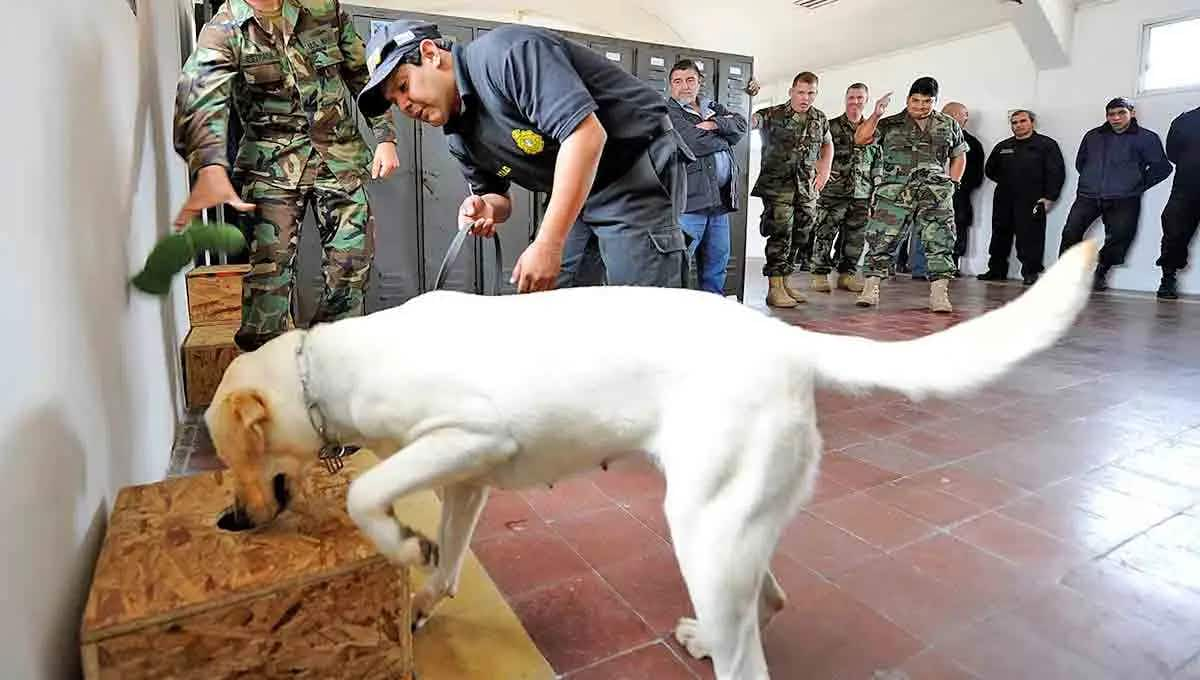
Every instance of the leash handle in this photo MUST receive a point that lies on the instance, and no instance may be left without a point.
(456, 247)
(452, 255)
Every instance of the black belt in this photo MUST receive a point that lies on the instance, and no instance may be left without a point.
(452, 255)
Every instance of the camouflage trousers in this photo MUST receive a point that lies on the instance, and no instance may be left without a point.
(841, 225)
(347, 232)
(927, 208)
(788, 227)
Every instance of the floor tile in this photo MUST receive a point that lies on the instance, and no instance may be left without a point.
(608, 536)
(1037, 553)
(533, 559)
(932, 506)
(580, 621)
(568, 497)
(652, 662)
(653, 587)
(824, 548)
(879, 524)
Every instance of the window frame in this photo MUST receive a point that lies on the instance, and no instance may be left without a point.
(1144, 53)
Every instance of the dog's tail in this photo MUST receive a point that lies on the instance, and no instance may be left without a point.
(967, 355)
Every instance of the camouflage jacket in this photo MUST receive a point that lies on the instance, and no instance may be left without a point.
(790, 150)
(290, 98)
(852, 163)
(908, 152)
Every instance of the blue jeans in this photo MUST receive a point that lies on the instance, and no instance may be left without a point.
(710, 247)
(916, 260)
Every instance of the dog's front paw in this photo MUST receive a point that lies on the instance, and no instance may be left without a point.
(687, 632)
(424, 602)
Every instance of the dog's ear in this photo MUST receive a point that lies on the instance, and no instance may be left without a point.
(239, 430)
(239, 433)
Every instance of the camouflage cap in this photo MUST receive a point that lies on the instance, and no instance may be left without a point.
(388, 47)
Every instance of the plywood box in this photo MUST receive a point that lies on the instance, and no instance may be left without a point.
(215, 294)
(174, 596)
(207, 352)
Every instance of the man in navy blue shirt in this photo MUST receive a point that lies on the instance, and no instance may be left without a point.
(525, 105)
(1117, 163)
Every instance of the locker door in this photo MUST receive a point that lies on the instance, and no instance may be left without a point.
(396, 274)
(621, 55)
(735, 73)
(653, 66)
(708, 72)
(442, 190)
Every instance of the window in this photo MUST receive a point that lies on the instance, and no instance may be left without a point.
(1170, 55)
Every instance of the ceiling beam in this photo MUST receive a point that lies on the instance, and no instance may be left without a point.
(1046, 26)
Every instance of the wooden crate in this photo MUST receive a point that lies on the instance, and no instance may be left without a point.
(207, 351)
(173, 596)
(215, 294)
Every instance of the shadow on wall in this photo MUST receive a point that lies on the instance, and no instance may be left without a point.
(49, 564)
(150, 122)
(95, 255)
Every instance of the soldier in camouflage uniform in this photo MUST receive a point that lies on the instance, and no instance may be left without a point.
(845, 202)
(290, 67)
(913, 189)
(797, 152)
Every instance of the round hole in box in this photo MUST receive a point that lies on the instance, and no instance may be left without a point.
(234, 519)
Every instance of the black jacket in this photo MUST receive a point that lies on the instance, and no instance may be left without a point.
(972, 177)
(1029, 169)
(703, 191)
(1122, 165)
(1183, 148)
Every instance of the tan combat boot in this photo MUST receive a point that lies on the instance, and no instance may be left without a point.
(869, 297)
(777, 295)
(793, 292)
(849, 282)
(820, 283)
(939, 296)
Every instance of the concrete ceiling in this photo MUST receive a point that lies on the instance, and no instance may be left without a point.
(783, 38)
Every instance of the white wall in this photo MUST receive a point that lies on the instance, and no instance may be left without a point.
(992, 73)
(88, 398)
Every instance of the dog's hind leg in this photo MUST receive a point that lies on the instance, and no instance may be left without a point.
(771, 599)
(441, 458)
(461, 505)
(723, 552)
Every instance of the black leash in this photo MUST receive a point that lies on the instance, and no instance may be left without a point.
(452, 255)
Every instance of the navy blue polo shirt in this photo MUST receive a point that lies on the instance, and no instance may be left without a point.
(524, 90)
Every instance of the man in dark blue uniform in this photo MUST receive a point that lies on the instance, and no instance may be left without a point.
(525, 105)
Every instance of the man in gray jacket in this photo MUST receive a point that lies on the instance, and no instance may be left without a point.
(711, 131)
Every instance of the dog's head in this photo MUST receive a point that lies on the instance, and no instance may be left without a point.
(245, 430)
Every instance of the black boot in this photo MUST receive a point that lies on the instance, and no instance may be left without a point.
(1166, 289)
(990, 275)
(1101, 280)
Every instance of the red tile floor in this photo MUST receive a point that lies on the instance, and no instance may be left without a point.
(1046, 527)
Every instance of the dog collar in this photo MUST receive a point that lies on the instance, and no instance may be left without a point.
(332, 452)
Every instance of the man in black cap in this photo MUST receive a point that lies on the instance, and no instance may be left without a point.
(522, 104)
(1117, 163)
(1181, 217)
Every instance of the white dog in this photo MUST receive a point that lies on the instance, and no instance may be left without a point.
(465, 393)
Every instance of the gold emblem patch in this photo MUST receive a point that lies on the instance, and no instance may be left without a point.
(503, 171)
(528, 141)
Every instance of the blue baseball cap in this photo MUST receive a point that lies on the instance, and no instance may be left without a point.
(387, 49)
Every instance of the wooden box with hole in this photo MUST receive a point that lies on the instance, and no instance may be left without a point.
(180, 592)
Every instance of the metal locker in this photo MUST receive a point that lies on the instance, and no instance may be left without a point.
(395, 276)
(708, 72)
(617, 53)
(734, 75)
(653, 66)
(442, 189)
